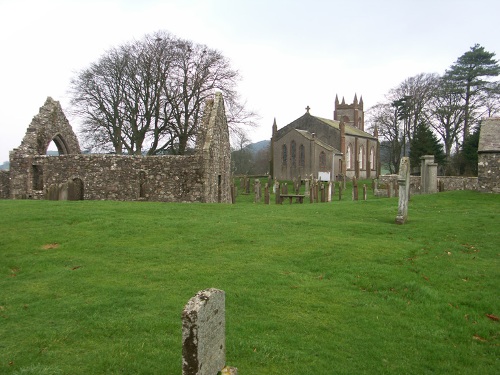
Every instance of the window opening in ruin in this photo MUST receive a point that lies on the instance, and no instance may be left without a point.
(37, 171)
(142, 184)
(57, 146)
(75, 192)
(52, 149)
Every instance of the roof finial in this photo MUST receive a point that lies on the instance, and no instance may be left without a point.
(308, 108)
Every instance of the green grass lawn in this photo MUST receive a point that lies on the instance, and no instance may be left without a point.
(95, 287)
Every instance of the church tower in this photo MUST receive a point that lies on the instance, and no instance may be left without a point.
(351, 114)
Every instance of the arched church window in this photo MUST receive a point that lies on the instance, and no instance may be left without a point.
(348, 157)
(284, 156)
(322, 160)
(372, 159)
(361, 157)
(302, 156)
(293, 151)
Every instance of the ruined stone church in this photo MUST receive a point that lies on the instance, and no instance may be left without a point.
(204, 176)
(326, 149)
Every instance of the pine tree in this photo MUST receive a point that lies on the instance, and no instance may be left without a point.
(469, 73)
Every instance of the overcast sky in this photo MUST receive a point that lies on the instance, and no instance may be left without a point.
(290, 54)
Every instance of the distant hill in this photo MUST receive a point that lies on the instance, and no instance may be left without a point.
(5, 165)
(258, 146)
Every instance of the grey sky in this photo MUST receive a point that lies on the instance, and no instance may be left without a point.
(290, 53)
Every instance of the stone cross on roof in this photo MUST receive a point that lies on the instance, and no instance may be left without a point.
(307, 109)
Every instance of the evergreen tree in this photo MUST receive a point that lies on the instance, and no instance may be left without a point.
(425, 142)
(469, 153)
(469, 73)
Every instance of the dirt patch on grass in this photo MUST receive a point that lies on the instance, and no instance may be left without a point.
(50, 246)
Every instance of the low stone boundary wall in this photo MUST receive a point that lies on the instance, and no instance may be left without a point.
(444, 183)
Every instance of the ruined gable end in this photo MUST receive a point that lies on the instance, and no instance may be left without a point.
(50, 124)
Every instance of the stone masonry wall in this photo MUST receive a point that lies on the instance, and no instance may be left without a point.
(114, 177)
(4, 184)
(489, 172)
(202, 177)
(444, 183)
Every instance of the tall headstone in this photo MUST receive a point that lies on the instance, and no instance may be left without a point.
(204, 333)
(404, 190)
(428, 174)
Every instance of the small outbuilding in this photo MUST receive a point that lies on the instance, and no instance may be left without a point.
(488, 152)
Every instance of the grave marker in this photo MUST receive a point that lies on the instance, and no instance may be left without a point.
(404, 190)
(204, 333)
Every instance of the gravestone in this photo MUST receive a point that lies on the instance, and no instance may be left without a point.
(428, 174)
(257, 190)
(329, 194)
(364, 192)
(204, 333)
(306, 188)
(266, 193)
(404, 190)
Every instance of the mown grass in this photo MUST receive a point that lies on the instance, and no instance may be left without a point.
(98, 287)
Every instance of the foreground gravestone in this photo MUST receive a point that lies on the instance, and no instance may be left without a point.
(204, 333)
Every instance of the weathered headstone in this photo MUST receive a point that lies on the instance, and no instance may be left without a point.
(404, 190)
(428, 174)
(278, 193)
(329, 194)
(306, 188)
(204, 333)
(364, 192)
(257, 190)
(266, 193)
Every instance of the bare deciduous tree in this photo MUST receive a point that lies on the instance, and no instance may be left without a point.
(149, 95)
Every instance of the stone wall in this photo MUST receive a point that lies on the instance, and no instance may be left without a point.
(202, 177)
(489, 172)
(444, 183)
(117, 177)
(489, 156)
(4, 184)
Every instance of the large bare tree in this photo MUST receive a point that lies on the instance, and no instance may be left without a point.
(149, 95)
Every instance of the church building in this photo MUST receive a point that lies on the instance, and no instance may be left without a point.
(326, 149)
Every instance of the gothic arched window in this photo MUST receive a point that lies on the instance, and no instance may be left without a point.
(322, 160)
(302, 156)
(372, 159)
(293, 151)
(361, 158)
(348, 157)
(284, 155)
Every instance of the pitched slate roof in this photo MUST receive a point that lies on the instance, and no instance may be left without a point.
(308, 121)
(350, 130)
(309, 136)
(489, 137)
